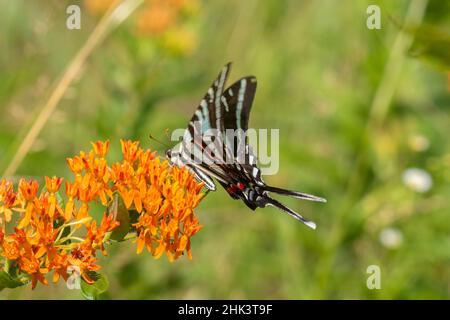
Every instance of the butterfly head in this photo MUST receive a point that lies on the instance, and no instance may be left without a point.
(170, 157)
(174, 158)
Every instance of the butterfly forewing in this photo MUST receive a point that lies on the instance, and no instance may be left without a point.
(209, 111)
(204, 140)
(226, 114)
(207, 117)
(237, 100)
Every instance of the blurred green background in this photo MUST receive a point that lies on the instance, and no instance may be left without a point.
(356, 109)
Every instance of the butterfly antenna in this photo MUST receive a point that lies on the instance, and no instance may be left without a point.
(157, 140)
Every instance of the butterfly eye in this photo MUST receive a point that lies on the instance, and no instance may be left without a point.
(241, 186)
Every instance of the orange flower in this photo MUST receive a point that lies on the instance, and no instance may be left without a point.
(95, 236)
(130, 150)
(95, 182)
(52, 185)
(164, 198)
(28, 191)
(83, 212)
(168, 215)
(71, 192)
(47, 238)
(39, 244)
(10, 246)
(59, 264)
(100, 148)
(76, 164)
(7, 200)
(31, 266)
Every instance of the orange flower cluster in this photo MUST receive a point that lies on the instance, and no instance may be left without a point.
(38, 244)
(46, 237)
(163, 197)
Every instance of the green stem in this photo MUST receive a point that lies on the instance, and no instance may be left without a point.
(130, 236)
(64, 226)
(6, 266)
(75, 238)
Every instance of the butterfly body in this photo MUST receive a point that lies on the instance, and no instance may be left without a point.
(209, 150)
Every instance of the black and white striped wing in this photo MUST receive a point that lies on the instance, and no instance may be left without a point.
(237, 102)
(209, 111)
(219, 110)
(250, 167)
(207, 116)
(235, 155)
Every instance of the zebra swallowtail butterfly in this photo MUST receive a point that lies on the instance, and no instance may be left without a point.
(229, 160)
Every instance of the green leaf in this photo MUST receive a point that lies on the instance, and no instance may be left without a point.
(93, 291)
(118, 209)
(59, 199)
(58, 223)
(8, 281)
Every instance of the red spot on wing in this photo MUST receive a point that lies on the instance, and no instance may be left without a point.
(241, 186)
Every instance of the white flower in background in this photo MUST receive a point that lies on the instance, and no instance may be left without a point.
(417, 179)
(391, 238)
(418, 143)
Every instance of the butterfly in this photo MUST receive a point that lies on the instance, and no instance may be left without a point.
(210, 147)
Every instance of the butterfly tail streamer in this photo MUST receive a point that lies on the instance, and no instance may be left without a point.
(294, 194)
(272, 202)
